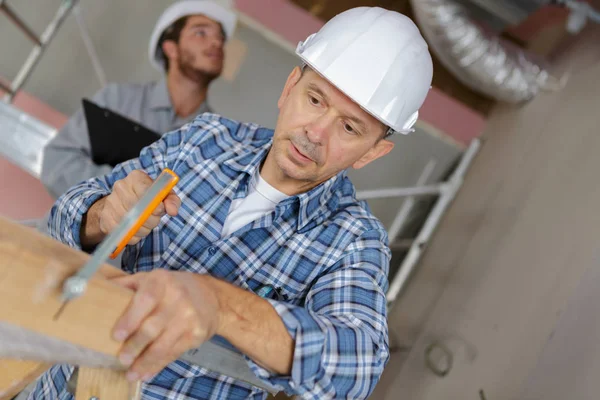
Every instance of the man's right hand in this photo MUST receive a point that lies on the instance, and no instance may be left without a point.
(106, 213)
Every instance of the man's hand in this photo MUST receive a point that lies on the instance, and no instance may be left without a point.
(126, 193)
(106, 213)
(170, 313)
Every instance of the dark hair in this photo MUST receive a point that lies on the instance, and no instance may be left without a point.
(171, 33)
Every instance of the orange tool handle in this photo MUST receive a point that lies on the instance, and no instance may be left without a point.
(164, 192)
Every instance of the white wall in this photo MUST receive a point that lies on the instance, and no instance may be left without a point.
(510, 282)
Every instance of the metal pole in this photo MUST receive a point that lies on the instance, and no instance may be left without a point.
(34, 56)
(19, 23)
(409, 203)
(426, 190)
(89, 46)
(411, 259)
(402, 244)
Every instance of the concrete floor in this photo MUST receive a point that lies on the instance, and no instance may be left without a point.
(508, 281)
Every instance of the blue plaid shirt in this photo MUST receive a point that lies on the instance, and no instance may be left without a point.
(323, 251)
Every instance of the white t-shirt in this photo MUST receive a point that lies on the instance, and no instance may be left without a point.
(261, 200)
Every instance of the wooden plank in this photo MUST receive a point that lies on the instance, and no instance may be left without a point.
(104, 384)
(36, 243)
(29, 300)
(30, 266)
(15, 375)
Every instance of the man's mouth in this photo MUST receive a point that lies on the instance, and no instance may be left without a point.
(215, 54)
(299, 154)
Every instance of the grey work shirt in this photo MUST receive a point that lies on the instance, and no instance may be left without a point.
(67, 157)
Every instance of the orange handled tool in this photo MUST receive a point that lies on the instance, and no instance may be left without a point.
(116, 240)
(159, 190)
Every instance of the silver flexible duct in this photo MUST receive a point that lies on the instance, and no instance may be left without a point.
(479, 60)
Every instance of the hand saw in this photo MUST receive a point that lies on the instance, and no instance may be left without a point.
(116, 240)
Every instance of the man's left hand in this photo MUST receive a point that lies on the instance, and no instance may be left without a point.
(170, 313)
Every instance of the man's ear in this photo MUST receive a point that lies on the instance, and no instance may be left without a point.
(169, 49)
(380, 149)
(292, 80)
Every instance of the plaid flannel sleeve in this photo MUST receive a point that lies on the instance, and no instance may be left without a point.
(67, 213)
(341, 334)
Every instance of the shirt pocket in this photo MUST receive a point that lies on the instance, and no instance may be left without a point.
(270, 283)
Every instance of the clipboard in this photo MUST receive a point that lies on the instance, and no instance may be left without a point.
(113, 137)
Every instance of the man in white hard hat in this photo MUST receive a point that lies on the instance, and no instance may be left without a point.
(263, 241)
(187, 45)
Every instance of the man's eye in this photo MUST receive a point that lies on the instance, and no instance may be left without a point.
(313, 100)
(348, 128)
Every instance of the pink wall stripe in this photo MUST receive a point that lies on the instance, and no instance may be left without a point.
(23, 196)
(453, 118)
(281, 16)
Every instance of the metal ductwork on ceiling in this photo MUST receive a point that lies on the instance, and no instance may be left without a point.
(477, 58)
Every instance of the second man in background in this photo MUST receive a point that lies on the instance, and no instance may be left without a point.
(187, 44)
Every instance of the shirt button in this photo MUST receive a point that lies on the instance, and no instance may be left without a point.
(212, 251)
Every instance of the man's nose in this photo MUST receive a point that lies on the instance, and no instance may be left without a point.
(317, 130)
(217, 41)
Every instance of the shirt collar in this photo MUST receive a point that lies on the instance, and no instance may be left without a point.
(160, 99)
(316, 204)
(159, 95)
(249, 160)
(313, 206)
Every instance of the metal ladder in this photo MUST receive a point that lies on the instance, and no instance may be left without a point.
(445, 193)
(41, 43)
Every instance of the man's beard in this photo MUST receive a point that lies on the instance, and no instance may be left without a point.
(187, 69)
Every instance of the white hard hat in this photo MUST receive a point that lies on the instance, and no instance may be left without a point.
(225, 17)
(376, 57)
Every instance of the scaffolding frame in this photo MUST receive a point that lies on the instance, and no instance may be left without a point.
(445, 191)
(41, 44)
